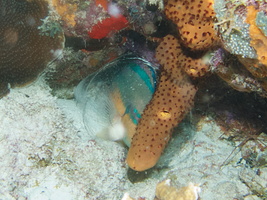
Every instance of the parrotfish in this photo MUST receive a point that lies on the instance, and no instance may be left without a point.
(113, 98)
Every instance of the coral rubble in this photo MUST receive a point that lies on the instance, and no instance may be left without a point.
(165, 191)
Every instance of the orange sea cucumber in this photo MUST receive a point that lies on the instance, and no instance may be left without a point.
(171, 101)
(195, 22)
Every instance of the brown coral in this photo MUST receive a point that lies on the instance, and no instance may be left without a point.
(24, 52)
(195, 22)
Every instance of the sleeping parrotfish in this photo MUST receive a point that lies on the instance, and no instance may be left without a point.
(114, 98)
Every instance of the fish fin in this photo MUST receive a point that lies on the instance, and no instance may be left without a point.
(99, 112)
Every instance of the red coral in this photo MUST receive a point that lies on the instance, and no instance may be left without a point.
(108, 25)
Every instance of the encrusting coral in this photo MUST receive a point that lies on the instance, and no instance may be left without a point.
(66, 10)
(242, 26)
(94, 19)
(258, 38)
(258, 42)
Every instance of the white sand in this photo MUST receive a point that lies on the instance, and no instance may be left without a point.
(45, 153)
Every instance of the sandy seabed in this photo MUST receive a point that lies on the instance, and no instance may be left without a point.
(45, 154)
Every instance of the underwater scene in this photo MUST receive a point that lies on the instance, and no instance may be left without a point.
(133, 100)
